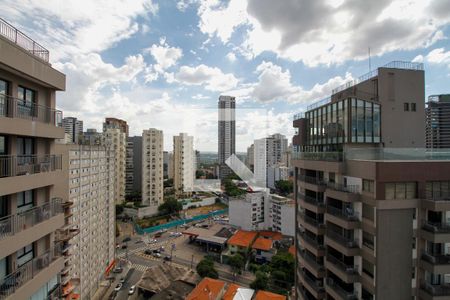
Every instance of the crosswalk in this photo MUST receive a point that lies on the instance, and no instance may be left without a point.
(139, 249)
(166, 244)
(139, 267)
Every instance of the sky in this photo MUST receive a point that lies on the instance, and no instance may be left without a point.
(163, 64)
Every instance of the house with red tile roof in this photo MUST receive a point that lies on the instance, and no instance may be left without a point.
(263, 249)
(236, 292)
(263, 295)
(242, 240)
(208, 289)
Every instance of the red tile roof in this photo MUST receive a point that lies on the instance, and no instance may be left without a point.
(242, 238)
(262, 244)
(231, 291)
(276, 236)
(207, 289)
(292, 250)
(263, 295)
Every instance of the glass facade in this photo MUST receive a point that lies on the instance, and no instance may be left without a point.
(347, 121)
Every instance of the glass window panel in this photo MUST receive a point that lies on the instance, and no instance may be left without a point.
(411, 188)
(3, 268)
(345, 120)
(400, 191)
(333, 123)
(354, 121)
(376, 123)
(360, 120)
(389, 191)
(369, 122)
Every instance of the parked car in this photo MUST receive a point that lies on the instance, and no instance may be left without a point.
(159, 234)
(157, 255)
(118, 287)
(167, 258)
(122, 280)
(148, 251)
(156, 251)
(152, 241)
(124, 246)
(131, 290)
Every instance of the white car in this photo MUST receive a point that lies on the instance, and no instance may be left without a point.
(118, 287)
(157, 255)
(131, 290)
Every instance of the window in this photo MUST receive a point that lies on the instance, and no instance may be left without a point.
(3, 101)
(368, 268)
(24, 255)
(26, 107)
(413, 107)
(406, 106)
(401, 190)
(368, 240)
(24, 200)
(368, 185)
(437, 189)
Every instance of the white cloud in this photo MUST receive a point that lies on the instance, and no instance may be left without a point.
(296, 30)
(231, 57)
(438, 56)
(182, 5)
(72, 28)
(200, 97)
(164, 55)
(212, 78)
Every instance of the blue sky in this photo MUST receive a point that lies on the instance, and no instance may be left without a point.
(163, 64)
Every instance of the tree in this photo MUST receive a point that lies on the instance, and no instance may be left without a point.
(283, 268)
(231, 189)
(284, 187)
(170, 206)
(261, 281)
(236, 262)
(205, 268)
(168, 183)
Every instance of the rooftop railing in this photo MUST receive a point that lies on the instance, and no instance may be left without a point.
(299, 115)
(21, 39)
(12, 165)
(384, 154)
(16, 108)
(325, 156)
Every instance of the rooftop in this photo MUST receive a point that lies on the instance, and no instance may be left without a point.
(262, 244)
(207, 289)
(159, 277)
(236, 292)
(243, 238)
(263, 295)
(276, 236)
(177, 290)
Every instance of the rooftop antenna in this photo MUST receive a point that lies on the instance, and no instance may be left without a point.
(370, 65)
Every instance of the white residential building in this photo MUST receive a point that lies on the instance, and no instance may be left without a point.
(275, 173)
(183, 163)
(268, 152)
(262, 211)
(115, 139)
(152, 169)
(73, 128)
(89, 187)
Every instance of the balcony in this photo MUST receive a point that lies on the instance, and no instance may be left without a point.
(436, 232)
(437, 202)
(338, 292)
(345, 245)
(312, 204)
(348, 273)
(345, 219)
(313, 286)
(315, 184)
(309, 262)
(346, 193)
(434, 292)
(312, 224)
(13, 282)
(436, 263)
(312, 244)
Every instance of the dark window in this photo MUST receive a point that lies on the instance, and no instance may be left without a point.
(413, 107)
(26, 107)
(4, 90)
(24, 255)
(25, 200)
(406, 106)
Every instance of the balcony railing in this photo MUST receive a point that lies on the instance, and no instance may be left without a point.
(349, 295)
(350, 215)
(437, 196)
(16, 108)
(312, 200)
(315, 284)
(325, 156)
(437, 290)
(13, 224)
(312, 221)
(345, 241)
(12, 282)
(21, 39)
(311, 259)
(312, 180)
(312, 241)
(343, 188)
(436, 227)
(12, 165)
(349, 269)
(436, 259)
(299, 115)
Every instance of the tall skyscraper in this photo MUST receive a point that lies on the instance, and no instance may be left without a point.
(268, 152)
(227, 133)
(250, 159)
(129, 166)
(152, 169)
(73, 128)
(115, 124)
(438, 121)
(136, 171)
(372, 212)
(115, 139)
(33, 210)
(184, 160)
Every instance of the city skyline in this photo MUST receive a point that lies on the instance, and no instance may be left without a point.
(151, 67)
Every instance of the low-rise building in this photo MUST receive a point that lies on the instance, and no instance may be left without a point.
(263, 295)
(276, 173)
(241, 241)
(263, 249)
(208, 289)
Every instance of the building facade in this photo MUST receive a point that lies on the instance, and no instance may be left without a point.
(137, 164)
(227, 133)
(250, 159)
(129, 167)
(115, 139)
(183, 163)
(370, 199)
(152, 169)
(73, 128)
(89, 187)
(268, 152)
(31, 209)
(438, 121)
(114, 123)
(275, 173)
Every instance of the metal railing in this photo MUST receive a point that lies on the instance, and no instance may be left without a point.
(436, 227)
(312, 180)
(436, 290)
(312, 283)
(312, 200)
(311, 241)
(312, 221)
(349, 269)
(299, 115)
(349, 295)
(311, 259)
(437, 196)
(319, 103)
(343, 214)
(325, 156)
(17, 108)
(12, 282)
(345, 241)
(12, 165)
(13, 224)
(343, 188)
(436, 259)
(21, 39)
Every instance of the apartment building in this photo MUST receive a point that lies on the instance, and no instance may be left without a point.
(268, 152)
(438, 121)
(31, 210)
(371, 200)
(114, 123)
(89, 186)
(183, 163)
(250, 159)
(73, 128)
(152, 169)
(275, 173)
(91, 137)
(115, 139)
(134, 165)
(227, 133)
(129, 166)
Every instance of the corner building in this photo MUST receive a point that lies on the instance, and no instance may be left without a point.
(371, 200)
